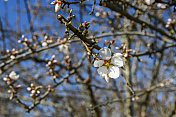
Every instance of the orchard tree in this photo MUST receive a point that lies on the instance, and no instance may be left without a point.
(88, 58)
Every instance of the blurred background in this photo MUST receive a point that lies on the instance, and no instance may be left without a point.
(30, 34)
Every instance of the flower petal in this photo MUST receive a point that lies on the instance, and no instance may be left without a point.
(57, 7)
(13, 75)
(107, 78)
(105, 53)
(117, 59)
(118, 54)
(98, 63)
(113, 71)
(102, 71)
(64, 48)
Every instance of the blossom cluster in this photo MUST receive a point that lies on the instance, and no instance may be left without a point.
(170, 21)
(11, 76)
(12, 53)
(11, 80)
(47, 40)
(51, 66)
(35, 92)
(64, 47)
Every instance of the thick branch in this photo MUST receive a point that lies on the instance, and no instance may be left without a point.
(114, 8)
(77, 32)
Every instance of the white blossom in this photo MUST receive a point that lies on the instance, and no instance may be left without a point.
(161, 6)
(149, 2)
(13, 75)
(169, 22)
(64, 48)
(97, 14)
(9, 91)
(44, 44)
(5, 79)
(57, 5)
(19, 86)
(108, 65)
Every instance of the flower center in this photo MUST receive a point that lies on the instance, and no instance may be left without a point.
(107, 63)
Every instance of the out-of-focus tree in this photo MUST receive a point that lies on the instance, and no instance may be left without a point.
(83, 58)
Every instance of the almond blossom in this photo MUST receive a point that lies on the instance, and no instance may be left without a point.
(13, 75)
(108, 65)
(64, 48)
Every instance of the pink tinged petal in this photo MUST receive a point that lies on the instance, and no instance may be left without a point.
(64, 48)
(105, 53)
(117, 60)
(107, 78)
(57, 7)
(118, 54)
(113, 72)
(102, 71)
(98, 63)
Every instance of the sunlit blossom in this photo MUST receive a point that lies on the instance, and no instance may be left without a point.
(64, 48)
(13, 75)
(44, 44)
(108, 65)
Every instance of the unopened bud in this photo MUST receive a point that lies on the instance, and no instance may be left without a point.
(12, 57)
(112, 41)
(38, 91)
(55, 61)
(140, 60)
(5, 79)
(7, 51)
(9, 91)
(19, 86)
(44, 44)
(32, 85)
(23, 36)
(169, 20)
(118, 48)
(29, 88)
(53, 56)
(161, 84)
(19, 41)
(85, 24)
(33, 91)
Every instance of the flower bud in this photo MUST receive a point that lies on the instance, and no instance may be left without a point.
(29, 88)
